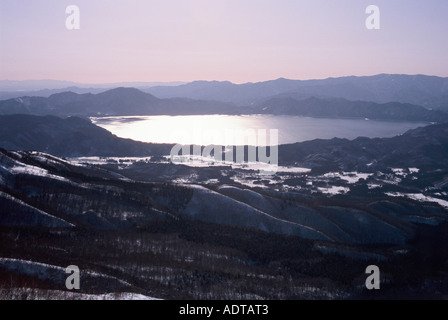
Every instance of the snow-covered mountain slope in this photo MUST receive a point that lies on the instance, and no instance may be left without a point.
(247, 208)
(41, 294)
(207, 238)
(56, 275)
(14, 212)
(214, 207)
(38, 189)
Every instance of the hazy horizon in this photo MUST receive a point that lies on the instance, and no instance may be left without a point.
(179, 82)
(253, 41)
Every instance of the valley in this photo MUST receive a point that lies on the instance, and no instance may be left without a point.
(211, 231)
(142, 226)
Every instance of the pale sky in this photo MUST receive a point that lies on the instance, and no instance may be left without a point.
(235, 40)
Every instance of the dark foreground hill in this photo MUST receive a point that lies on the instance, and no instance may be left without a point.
(424, 147)
(208, 241)
(68, 137)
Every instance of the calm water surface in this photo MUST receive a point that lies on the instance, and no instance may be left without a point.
(235, 130)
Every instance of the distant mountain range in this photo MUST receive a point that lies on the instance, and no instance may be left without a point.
(45, 88)
(30, 85)
(427, 91)
(4, 95)
(131, 101)
(342, 108)
(119, 101)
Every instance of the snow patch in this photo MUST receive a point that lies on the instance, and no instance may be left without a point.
(247, 182)
(334, 190)
(349, 177)
(293, 170)
(47, 271)
(419, 197)
(399, 172)
(124, 161)
(41, 294)
(36, 171)
(402, 172)
(200, 161)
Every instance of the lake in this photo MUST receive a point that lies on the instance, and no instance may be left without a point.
(239, 130)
